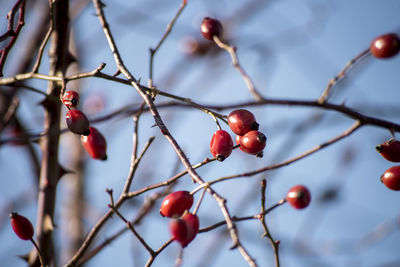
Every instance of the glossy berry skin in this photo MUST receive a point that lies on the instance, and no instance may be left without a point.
(253, 142)
(77, 122)
(221, 145)
(298, 197)
(390, 150)
(176, 203)
(21, 226)
(184, 229)
(238, 139)
(391, 178)
(242, 121)
(210, 27)
(385, 46)
(95, 144)
(70, 99)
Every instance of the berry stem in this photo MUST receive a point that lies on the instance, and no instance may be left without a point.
(38, 251)
(200, 200)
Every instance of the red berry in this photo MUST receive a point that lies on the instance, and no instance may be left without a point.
(385, 46)
(185, 229)
(390, 150)
(95, 144)
(77, 122)
(299, 197)
(176, 203)
(211, 27)
(221, 145)
(253, 142)
(21, 226)
(238, 139)
(242, 121)
(70, 99)
(391, 178)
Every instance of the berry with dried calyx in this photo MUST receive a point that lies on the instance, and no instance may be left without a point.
(70, 99)
(95, 144)
(299, 197)
(253, 142)
(77, 122)
(390, 150)
(221, 145)
(242, 121)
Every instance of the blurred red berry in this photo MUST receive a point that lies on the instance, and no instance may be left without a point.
(95, 144)
(242, 121)
(77, 122)
(385, 46)
(21, 226)
(184, 229)
(211, 27)
(70, 99)
(391, 178)
(299, 197)
(221, 145)
(390, 150)
(176, 203)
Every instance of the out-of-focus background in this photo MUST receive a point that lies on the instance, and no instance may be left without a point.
(291, 49)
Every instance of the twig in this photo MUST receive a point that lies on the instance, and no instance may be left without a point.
(164, 130)
(20, 5)
(323, 98)
(153, 51)
(346, 133)
(38, 251)
(235, 61)
(267, 233)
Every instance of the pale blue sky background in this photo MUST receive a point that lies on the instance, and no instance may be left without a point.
(291, 49)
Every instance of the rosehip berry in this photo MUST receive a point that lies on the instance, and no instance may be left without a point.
(21, 226)
(253, 142)
(95, 144)
(77, 122)
(391, 178)
(185, 229)
(242, 121)
(385, 46)
(211, 27)
(299, 197)
(221, 145)
(390, 150)
(176, 203)
(70, 99)
(238, 139)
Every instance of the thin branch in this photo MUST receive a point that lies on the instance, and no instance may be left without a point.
(346, 133)
(324, 97)
(153, 51)
(267, 233)
(235, 61)
(20, 6)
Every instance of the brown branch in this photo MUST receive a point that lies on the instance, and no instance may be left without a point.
(235, 61)
(346, 133)
(153, 51)
(164, 130)
(20, 6)
(267, 233)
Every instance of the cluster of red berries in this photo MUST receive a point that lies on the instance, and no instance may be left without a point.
(184, 225)
(385, 46)
(243, 123)
(390, 150)
(92, 140)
